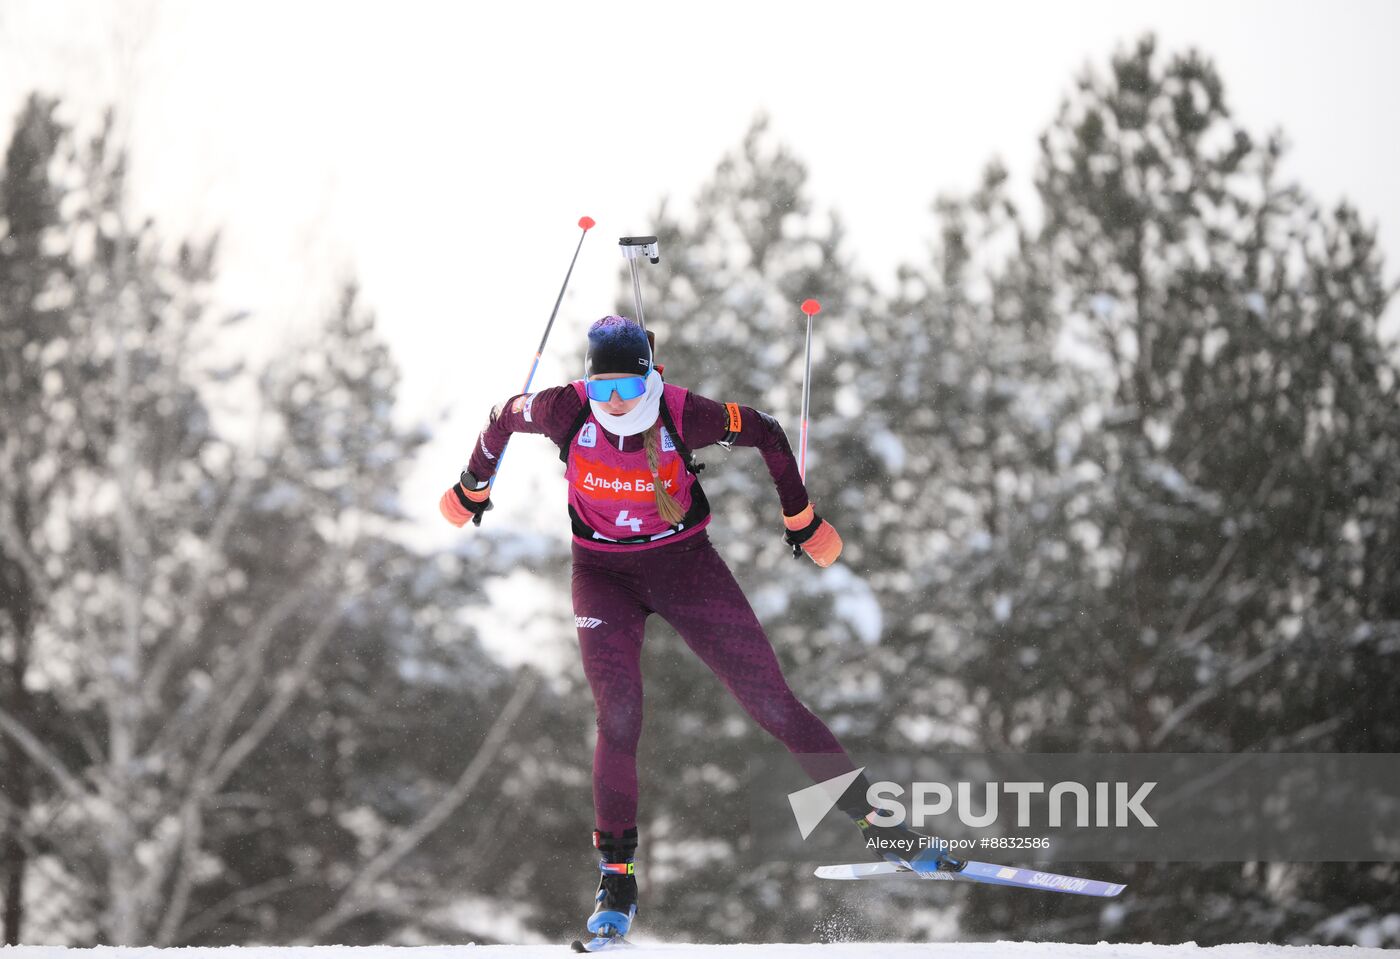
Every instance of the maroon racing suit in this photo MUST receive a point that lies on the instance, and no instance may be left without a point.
(680, 577)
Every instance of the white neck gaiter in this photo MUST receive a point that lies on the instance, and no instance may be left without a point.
(640, 418)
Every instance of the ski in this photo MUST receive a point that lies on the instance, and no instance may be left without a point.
(599, 944)
(973, 871)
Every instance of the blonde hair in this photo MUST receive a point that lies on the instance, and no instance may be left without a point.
(666, 504)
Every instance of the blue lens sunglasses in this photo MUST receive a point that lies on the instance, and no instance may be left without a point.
(627, 388)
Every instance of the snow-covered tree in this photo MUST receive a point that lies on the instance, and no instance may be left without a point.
(234, 705)
(1236, 568)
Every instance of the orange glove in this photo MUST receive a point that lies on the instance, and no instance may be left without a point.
(807, 532)
(467, 500)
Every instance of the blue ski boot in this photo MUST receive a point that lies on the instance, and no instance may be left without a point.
(897, 844)
(616, 900)
(905, 847)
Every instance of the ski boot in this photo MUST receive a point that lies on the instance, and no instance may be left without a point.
(900, 845)
(616, 901)
(905, 847)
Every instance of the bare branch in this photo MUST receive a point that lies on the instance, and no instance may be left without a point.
(214, 542)
(289, 687)
(249, 668)
(250, 896)
(184, 724)
(1222, 560)
(42, 755)
(351, 902)
(1236, 676)
(13, 538)
(191, 835)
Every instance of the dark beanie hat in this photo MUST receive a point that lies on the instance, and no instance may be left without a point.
(617, 345)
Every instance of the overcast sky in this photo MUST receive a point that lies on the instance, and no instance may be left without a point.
(432, 149)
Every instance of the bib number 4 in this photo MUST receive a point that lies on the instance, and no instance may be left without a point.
(631, 522)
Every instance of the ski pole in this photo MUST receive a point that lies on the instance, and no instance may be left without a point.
(811, 308)
(585, 224)
(633, 249)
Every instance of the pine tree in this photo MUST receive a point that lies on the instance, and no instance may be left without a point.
(1238, 409)
(222, 670)
(32, 340)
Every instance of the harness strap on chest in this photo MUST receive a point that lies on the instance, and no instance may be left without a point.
(577, 425)
(687, 456)
(699, 503)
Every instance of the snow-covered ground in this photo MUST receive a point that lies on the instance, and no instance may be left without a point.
(849, 950)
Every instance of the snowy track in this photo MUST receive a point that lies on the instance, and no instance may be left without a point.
(981, 950)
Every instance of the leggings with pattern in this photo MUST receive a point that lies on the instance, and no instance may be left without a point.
(687, 584)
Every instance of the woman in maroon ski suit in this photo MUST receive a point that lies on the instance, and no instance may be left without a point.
(640, 547)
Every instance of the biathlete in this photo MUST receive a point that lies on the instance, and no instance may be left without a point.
(640, 547)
